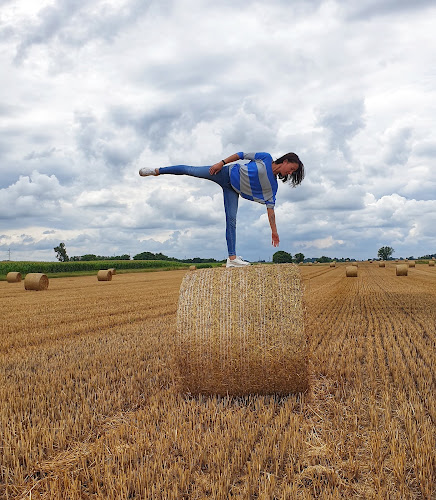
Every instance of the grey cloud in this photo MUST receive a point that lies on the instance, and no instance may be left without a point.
(367, 9)
(41, 154)
(398, 147)
(342, 122)
(77, 22)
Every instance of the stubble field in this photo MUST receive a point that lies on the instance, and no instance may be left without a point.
(89, 409)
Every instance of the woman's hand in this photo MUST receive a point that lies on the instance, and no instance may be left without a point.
(214, 169)
(275, 239)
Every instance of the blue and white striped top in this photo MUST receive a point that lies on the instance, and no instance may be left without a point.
(255, 180)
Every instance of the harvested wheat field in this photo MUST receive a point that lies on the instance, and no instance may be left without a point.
(89, 407)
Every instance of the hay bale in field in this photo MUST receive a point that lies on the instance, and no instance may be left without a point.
(411, 263)
(431, 263)
(192, 268)
(240, 331)
(104, 275)
(112, 270)
(351, 271)
(382, 264)
(36, 281)
(309, 264)
(401, 269)
(332, 264)
(13, 277)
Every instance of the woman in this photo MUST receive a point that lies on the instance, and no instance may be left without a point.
(255, 181)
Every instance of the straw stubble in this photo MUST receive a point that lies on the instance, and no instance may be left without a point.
(240, 331)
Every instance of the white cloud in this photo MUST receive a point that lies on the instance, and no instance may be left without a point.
(93, 91)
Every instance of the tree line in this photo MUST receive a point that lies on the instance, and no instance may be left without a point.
(384, 253)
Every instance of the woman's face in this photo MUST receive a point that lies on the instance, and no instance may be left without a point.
(288, 168)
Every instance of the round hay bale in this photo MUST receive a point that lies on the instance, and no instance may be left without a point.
(13, 277)
(104, 275)
(36, 281)
(309, 264)
(332, 264)
(192, 268)
(240, 331)
(381, 264)
(431, 263)
(411, 263)
(223, 265)
(351, 271)
(401, 269)
(112, 270)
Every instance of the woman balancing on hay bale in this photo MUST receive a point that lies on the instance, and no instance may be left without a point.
(255, 181)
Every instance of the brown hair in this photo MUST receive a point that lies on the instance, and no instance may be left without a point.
(296, 177)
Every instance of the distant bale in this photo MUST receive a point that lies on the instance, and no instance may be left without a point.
(411, 263)
(351, 271)
(36, 281)
(381, 264)
(240, 331)
(401, 269)
(310, 263)
(223, 265)
(112, 270)
(431, 263)
(332, 264)
(13, 277)
(192, 268)
(104, 275)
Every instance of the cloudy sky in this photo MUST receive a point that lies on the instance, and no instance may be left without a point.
(92, 91)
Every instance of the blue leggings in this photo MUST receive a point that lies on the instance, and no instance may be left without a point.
(231, 197)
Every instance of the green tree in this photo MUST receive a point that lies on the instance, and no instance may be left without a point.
(299, 257)
(385, 252)
(61, 253)
(145, 256)
(324, 259)
(281, 257)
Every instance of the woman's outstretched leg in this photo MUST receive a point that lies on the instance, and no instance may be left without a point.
(222, 178)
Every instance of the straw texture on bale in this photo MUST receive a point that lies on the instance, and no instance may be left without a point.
(13, 277)
(431, 263)
(112, 270)
(36, 281)
(401, 269)
(351, 271)
(240, 331)
(104, 275)
(381, 264)
(411, 263)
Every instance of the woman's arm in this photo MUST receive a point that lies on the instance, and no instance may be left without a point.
(272, 222)
(214, 169)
